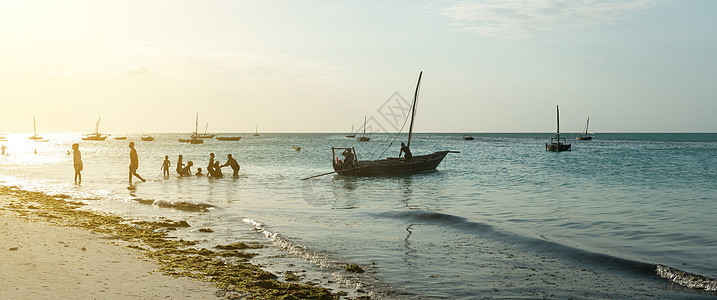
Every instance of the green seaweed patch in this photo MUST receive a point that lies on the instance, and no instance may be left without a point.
(353, 268)
(290, 276)
(239, 246)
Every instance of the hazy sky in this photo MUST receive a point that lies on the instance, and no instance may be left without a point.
(319, 66)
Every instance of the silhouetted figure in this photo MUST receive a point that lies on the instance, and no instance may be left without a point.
(77, 162)
(187, 171)
(404, 149)
(217, 170)
(133, 163)
(210, 166)
(165, 165)
(199, 172)
(3, 150)
(180, 164)
(232, 163)
(348, 159)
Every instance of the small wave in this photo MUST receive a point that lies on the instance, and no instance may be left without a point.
(363, 282)
(686, 279)
(608, 263)
(178, 205)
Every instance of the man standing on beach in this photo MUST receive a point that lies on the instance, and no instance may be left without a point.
(233, 163)
(77, 162)
(133, 163)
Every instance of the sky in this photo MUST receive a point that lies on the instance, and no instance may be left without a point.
(322, 66)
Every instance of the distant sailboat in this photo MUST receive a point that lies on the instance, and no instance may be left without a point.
(363, 137)
(34, 129)
(557, 144)
(193, 139)
(352, 135)
(585, 136)
(147, 138)
(95, 136)
(256, 133)
(228, 138)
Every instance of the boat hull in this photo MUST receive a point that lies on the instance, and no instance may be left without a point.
(393, 166)
(94, 138)
(363, 139)
(583, 138)
(147, 138)
(228, 138)
(558, 147)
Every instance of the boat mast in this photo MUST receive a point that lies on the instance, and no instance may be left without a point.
(97, 126)
(557, 133)
(364, 126)
(586, 125)
(196, 123)
(34, 127)
(413, 109)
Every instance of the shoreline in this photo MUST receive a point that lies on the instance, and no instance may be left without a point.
(55, 249)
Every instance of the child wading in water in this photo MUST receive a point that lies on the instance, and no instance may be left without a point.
(165, 166)
(77, 162)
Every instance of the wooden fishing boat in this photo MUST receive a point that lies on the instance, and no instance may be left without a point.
(467, 138)
(147, 138)
(95, 136)
(192, 141)
(585, 136)
(352, 135)
(34, 130)
(228, 138)
(295, 148)
(363, 137)
(256, 133)
(120, 138)
(389, 166)
(204, 135)
(557, 144)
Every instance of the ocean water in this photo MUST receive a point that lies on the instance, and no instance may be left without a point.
(501, 219)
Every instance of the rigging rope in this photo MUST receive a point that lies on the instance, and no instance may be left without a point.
(399, 132)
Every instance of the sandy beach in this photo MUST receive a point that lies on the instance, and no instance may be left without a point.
(44, 261)
(53, 249)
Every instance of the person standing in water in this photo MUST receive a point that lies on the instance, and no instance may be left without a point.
(210, 166)
(77, 162)
(165, 166)
(133, 163)
(232, 163)
(180, 164)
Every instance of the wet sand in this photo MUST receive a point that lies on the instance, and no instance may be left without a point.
(44, 261)
(54, 249)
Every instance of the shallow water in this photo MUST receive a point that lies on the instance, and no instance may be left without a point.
(503, 218)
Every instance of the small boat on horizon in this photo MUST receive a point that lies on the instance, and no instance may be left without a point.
(194, 137)
(95, 136)
(120, 138)
(352, 135)
(202, 135)
(256, 133)
(363, 137)
(147, 138)
(467, 138)
(585, 136)
(228, 138)
(295, 148)
(558, 144)
(34, 130)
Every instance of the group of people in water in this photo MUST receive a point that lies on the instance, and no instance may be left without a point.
(214, 168)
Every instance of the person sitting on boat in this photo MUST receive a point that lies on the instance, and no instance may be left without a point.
(404, 149)
(348, 159)
(187, 171)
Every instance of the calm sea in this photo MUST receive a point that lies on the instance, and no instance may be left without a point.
(502, 219)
